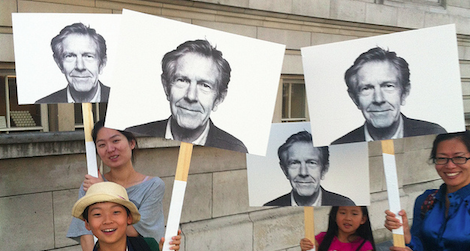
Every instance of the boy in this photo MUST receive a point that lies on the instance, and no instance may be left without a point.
(107, 212)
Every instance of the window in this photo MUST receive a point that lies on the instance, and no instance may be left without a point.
(294, 100)
(14, 117)
(21, 118)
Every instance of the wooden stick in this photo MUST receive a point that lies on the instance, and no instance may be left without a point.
(399, 240)
(309, 224)
(177, 196)
(390, 169)
(184, 159)
(89, 144)
(388, 147)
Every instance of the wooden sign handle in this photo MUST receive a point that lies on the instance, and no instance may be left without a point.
(309, 224)
(89, 144)
(184, 159)
(390, 169)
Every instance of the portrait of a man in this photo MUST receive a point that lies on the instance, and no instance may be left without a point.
(305, 166)
(378, 83)
(397, 85)
(195, 79)
(80, 53)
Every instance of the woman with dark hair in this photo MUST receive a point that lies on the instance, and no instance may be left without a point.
(348, 230)
(441, 217)
(115, 149)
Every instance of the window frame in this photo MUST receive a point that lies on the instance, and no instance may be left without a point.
(44, 127)
(292, 80)
(44, 113)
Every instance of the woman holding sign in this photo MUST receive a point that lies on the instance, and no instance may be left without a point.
(115, 149)
(441, 217)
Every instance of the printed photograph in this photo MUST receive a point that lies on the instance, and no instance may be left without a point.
(295, 173)
(392, 86)
(197, 85)
(64, 58)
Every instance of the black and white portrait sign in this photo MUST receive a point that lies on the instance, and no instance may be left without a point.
(294, 173)
(193, 84)
(391, 86)
(64, 58)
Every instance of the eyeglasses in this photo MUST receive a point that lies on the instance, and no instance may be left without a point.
(455, 160)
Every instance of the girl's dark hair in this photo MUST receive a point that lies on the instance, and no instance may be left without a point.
(464, 137)
(364, 231)
(130, 136)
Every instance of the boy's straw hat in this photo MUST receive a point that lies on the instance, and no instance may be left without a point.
(105, 192)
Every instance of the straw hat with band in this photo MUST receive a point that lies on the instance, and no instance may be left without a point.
(105, 192)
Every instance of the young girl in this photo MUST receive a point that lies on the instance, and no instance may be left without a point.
(348, 230)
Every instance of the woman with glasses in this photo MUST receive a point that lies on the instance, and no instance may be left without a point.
(441, 217)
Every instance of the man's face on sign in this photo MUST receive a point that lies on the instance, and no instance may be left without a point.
(193, 93)
(303, 167)
(80, 62)
(379, 94)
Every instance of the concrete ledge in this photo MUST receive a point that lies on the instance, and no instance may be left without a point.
(41, 149)
(37, 137)
(33, 144)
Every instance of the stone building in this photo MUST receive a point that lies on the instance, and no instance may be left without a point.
(42, 163)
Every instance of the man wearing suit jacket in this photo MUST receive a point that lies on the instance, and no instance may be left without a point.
(305, 166)
(195, 79)
(80, 54)
(378, 83)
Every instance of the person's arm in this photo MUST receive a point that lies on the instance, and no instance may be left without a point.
(87, 242)
(151, 223)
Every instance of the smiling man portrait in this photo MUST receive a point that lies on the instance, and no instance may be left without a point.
(379, 83)
(305, 166)
(80, 54)
(195, 79)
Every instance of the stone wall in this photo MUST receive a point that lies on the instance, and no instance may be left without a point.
(398, 13)
(40, 173)
(37, 191)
